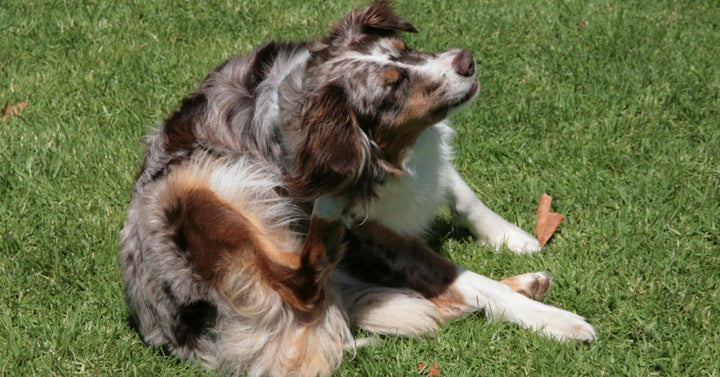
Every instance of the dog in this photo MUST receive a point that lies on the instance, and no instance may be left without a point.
(288, 198)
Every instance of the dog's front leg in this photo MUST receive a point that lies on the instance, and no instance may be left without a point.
(393, 264)
(486, 225)
(501, 302)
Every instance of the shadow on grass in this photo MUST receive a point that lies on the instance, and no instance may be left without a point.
(442, 230)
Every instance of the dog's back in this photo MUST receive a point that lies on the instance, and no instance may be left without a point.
(235, 110)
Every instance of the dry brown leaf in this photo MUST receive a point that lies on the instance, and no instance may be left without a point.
(11, 111)
(7, 112)
(547, 222)
(434, 370)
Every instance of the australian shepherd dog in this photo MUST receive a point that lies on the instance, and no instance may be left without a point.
(288, 198)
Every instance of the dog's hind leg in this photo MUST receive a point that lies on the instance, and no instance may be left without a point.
(321, 251)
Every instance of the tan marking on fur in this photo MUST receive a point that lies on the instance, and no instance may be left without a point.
(397, 135)
(321, 252)
(301, 281)
(514, 283)
(389, 76)
(396, 141)
(451, 304)
(186, 179)
(534, 286)
(416, 109)
(399, 44)
(305, 355)
(308, 348)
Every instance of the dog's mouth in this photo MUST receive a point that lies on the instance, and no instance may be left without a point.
(471, 93)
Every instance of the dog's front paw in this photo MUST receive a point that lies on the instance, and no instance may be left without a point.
(568, 326)
(514, 239)
(522, 243)
(559, 324)
(535, 285)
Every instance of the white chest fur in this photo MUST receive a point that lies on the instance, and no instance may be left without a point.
(408, 203)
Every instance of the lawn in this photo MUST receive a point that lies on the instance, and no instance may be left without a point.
(611, 107)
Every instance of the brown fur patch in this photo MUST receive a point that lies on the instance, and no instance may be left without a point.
(179, 127)
(397, 132)
(417, 108)
(390, 76)
(216, 236)
(399, 44)
(396, 141)
(380, 16)
(380, 256)
(322, 249)
(451, 304)
(209, 230)
(330, 153)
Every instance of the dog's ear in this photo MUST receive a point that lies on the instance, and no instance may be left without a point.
(331, 152)
(379, 18)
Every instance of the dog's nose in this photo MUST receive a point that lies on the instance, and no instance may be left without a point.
(464, 64)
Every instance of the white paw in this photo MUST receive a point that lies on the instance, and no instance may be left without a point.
(514, 238)
(500, 302)
(557, 323)
(522, 243)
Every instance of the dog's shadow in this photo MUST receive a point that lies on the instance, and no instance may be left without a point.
(444, 229)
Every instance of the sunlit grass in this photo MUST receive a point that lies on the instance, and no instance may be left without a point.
(611, 107)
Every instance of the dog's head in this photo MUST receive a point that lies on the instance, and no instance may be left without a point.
(370, 96)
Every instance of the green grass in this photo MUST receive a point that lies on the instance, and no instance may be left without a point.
(611, 107)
